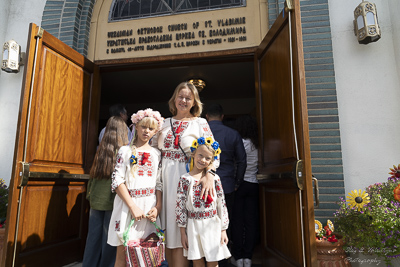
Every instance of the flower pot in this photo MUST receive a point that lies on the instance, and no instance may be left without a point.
(331, 254)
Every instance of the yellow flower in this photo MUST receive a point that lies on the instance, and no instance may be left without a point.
(209, 141)
(195, 144)
(357, 199)
(218, 151)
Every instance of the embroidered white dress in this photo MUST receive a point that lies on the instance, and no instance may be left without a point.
(174, 165)
(141, 188)
(203, 221)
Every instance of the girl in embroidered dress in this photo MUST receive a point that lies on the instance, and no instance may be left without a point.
(202, 221)
(174, 141)
(136, 180)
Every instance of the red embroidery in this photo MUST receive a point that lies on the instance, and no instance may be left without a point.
(173, 155)
(169, 140)
(197, 215)
(117, 225)
(142, 192)
(147, 166)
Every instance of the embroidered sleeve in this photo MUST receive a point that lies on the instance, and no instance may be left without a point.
(118, 175)
(205, 131)
(159, 182)
(221, 205)
(181, 198)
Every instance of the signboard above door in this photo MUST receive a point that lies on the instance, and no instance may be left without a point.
(192, 32)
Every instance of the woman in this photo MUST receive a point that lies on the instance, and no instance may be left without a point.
(174, 141)
(97, 251)
(245, 215)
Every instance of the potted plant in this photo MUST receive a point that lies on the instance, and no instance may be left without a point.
(370, 220)
(329, 245)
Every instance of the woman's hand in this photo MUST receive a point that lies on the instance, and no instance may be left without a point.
(207, 185)
(184, 239)
(137, 213)
(224, 238)
(152, 214)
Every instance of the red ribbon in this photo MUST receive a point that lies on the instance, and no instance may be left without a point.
(208, 201)
(145, 158)
(176, 142)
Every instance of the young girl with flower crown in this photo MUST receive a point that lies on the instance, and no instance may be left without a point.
(202, 222)
(136, 180)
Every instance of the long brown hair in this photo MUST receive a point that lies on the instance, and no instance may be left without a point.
(115, 136)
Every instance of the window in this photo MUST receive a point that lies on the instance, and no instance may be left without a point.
(133, 9)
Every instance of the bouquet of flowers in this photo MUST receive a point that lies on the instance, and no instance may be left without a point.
(370, 220)
(326, 232)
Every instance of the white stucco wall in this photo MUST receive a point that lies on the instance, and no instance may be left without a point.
(367, 83)
(15, 16)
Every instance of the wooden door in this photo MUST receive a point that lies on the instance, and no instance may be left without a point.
(56, 141)
(287, 214)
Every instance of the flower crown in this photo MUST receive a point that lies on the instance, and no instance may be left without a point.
(141, 114)
(206, 141)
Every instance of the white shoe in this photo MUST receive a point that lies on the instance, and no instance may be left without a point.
(246, 263)
(239, 263)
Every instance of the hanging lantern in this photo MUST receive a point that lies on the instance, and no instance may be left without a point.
(11, 57)
(366, 26)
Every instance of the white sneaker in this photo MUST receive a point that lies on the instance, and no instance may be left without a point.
(246, 263)
(239, 263)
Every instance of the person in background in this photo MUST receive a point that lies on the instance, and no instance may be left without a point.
(97, 251)
(233, 159)
(245, 211)
(117, 110)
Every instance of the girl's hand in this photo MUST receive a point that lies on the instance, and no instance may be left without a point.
(137, 213)
(152, 214)
(224, 238)
(207, 184)
(184, 239)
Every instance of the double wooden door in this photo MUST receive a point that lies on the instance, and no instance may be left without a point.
(57, 137)
(56, 141)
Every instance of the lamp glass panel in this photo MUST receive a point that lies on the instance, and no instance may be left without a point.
(5, 54)
(360, 22)
(14, 55)
(370, 18)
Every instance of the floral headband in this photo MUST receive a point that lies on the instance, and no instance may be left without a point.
(206, 141)
(141, 114)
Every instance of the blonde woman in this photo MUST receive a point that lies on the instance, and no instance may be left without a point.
(174, 141)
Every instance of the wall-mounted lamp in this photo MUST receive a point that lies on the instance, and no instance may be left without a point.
(12, 57)
(198, 83)
(366, 26)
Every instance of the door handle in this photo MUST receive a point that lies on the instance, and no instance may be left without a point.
(316, 191)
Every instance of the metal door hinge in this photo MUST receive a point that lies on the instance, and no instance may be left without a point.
(289, 4)
(299, 174)
(40, 32)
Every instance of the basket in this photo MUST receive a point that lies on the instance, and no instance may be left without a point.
(148, 252)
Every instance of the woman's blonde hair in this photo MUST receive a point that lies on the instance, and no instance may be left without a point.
(197, 109)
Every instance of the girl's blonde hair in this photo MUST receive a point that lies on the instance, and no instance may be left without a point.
(210, 148)
(146, 122)
(197, 109)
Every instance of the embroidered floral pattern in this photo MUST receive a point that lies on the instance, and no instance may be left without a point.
(169, 141)
(206, 129)
(117, 225)
(147, 167)
(174, 155)
(142, 192)
(198, 215)
(180, 208)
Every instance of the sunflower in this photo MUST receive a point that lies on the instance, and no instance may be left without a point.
(209, 141)
(395, 172)
(217, 152)
(194, 146)
(357, 199)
